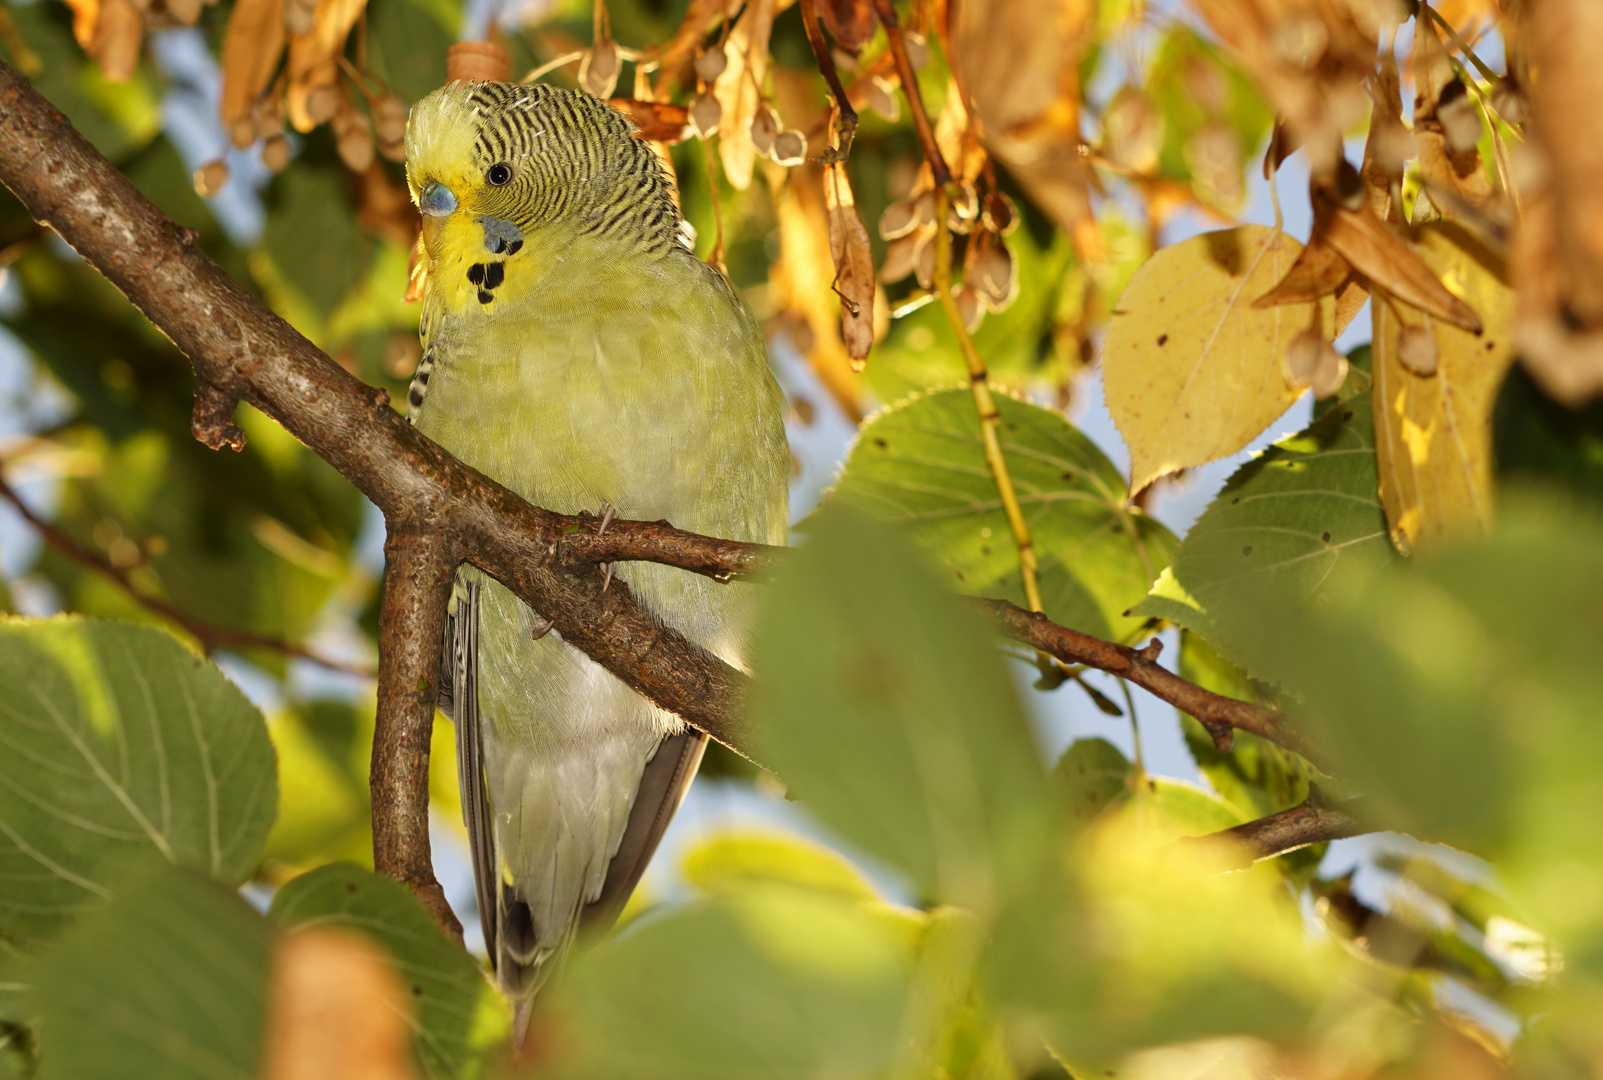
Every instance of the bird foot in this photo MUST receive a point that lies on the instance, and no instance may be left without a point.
(608, 514)
(540, 627)
(606, 575)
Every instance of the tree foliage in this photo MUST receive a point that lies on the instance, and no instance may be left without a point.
(1414, 579)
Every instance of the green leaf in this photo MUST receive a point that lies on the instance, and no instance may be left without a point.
(407, 43)
(167, 981)
(883, 702)
(444, 982)
(1284, 525)
(731, 861)
(119, 743)
(922, 463)
(774, 981)
(1096, 775)
(316, 251)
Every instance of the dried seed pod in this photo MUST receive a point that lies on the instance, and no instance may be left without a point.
(1132, 131)
(1416, 350)
(899, 219)
(1330, 374)
(185, 11)
(918, 50)
(880, 94)
(353, 137)
(970, 307)
(1312, 361)
(598, 71)
(322, 103)
(993, 272)
(924, 259)
(1510, 102)
(899, 257)
(764, 126)
(705, 113)
(790, 148)
(1000, 215)
(1460, 119)
(210, 178)
(242, 132)
(275, 153)
(964, 209)
(389, 120)
(1300, 40)
(711, 64)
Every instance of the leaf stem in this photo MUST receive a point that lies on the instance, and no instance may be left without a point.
(990, 419)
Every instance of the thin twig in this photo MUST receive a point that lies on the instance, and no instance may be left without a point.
(1311, 822)
(210, 637)
(846, 116)
(915, 101)
(1218, 714)
(1463, 46)
(990, 419)
(418, 568)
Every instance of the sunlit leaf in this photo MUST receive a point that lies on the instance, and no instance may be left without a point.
(119, 744)
(1284, 524)
(1192, 370)
(730, 861)
(922, 463)
(1433, 432)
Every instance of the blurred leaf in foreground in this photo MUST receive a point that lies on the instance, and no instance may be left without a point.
(165, 981)
(119, 743)
(885, 705)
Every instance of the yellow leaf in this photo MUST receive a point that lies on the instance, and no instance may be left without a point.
(1192, 371)
(739, 90)
(252, 46)
(1433, 434)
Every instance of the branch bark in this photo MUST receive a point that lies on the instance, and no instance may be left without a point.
(1312, 822)
(1220, 715)
(418, 568)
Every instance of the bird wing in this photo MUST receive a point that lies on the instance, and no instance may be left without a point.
(459, 699)
(662, 788)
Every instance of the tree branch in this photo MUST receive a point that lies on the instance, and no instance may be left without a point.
(418, 569)
(1312, 822)
(1220, 715)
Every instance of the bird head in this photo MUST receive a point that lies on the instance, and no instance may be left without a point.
(525, 159)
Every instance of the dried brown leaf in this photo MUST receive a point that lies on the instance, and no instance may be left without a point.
(655, 121)
(739, 90)
(1019, 64)
(599, 68)
(337, 1011)
(1393, 265)
(1389, 144)
(854, 262)
(799, 283)
(314, 62)
(118, 34)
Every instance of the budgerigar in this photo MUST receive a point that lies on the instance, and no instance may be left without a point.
(576, 350)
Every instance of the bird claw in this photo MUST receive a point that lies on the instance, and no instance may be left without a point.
(606, 575)
(541, 627)
(608, 514)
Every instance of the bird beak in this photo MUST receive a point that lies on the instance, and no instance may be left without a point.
(437, 202)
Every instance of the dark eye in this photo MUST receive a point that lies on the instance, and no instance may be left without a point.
(499, 175)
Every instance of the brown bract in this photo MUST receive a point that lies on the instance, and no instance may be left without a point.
(314, 62)
(1558, 250)
(854, 263)
(850, 22)
(251, 50)
(1018, 64)
(110, 31)
(1310, 57)
(655, 121)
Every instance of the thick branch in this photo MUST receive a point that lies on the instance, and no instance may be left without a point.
(1312, 822)
(418, 568)
(1217, 713)
(241, 350)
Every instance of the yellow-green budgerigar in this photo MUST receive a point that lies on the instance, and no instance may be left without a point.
(576, 350)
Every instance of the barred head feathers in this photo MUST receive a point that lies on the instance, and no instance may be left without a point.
(541, 156)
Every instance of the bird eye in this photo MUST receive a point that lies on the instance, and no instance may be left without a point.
(499, 175)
